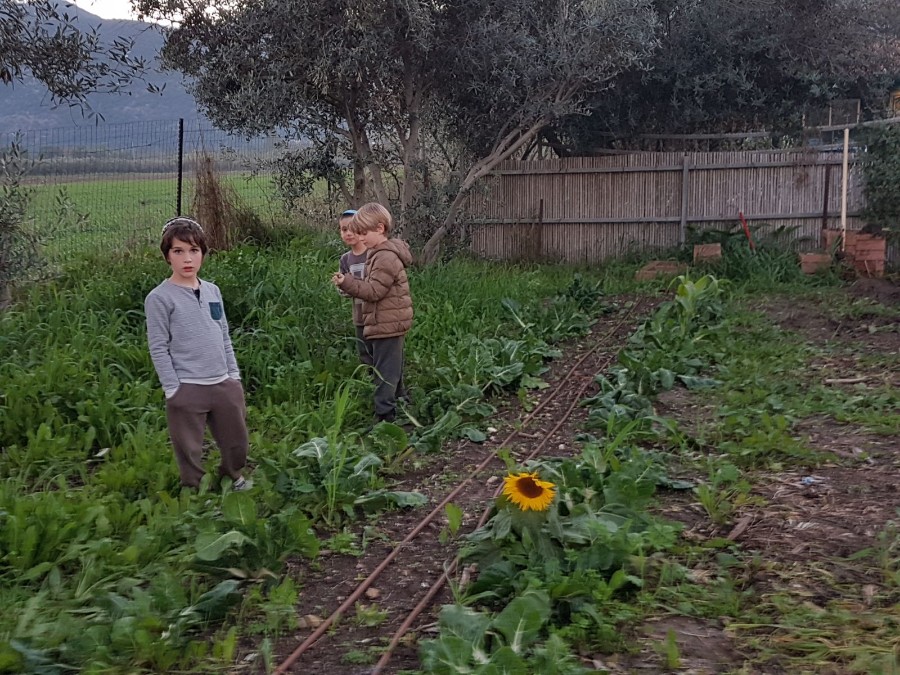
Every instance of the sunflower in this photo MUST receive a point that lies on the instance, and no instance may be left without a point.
(527, 491)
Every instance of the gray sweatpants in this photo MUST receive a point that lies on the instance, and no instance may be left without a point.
(222, 407)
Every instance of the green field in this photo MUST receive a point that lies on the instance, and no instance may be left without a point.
(119, 212)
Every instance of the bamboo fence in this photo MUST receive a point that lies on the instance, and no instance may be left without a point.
(586, 209)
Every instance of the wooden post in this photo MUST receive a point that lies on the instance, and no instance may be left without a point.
(685, 182)
(825, 198)
(844, 180)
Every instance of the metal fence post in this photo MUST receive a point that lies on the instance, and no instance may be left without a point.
(180, 165)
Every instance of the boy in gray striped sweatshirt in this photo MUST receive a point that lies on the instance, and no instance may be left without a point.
(191, 350)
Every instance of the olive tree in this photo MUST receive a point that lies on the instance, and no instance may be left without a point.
(725, 66)
(350, 77)
(519, 65)
(380, 80)
(38, 38)
(41, 39)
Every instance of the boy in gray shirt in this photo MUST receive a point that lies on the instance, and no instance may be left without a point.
(191, 350)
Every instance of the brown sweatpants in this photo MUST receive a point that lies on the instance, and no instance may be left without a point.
(222, 407)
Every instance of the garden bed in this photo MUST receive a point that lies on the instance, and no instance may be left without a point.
(810, 544)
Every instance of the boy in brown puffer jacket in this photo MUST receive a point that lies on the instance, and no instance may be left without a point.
(387, 304)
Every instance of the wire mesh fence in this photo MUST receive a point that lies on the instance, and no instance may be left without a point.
(114, 184)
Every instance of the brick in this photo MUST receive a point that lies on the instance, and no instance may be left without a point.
(810, 263)
(707, 252)
(660, 268)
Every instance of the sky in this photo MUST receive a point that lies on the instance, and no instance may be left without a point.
(107, 9)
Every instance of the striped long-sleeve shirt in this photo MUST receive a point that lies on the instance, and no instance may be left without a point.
(188, 335)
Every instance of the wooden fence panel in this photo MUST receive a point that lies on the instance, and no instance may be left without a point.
(585, 209)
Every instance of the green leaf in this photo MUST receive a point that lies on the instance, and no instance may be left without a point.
(239, 509)
(666, 378)
(675, 483)
(532, 382)
(464, 623)
(10, 659)
(502, 523)
(315, 447)
(381, 499)
(300, 535)
(211, 545)
(521, 621)
(454, 517)
(692, 382)
(474, 435)
(215, 603)
(361, 468)
(390, 438)
(449, 655)
(505, 661)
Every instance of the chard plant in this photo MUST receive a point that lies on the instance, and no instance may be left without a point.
(670, 347)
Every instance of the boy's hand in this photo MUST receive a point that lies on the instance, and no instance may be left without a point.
(337, 279)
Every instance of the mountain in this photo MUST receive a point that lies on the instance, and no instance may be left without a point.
(26, 106)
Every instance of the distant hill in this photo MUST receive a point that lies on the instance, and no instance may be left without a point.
(26, 106)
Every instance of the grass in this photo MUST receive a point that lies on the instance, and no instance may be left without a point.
(119, 212)
(814, 616)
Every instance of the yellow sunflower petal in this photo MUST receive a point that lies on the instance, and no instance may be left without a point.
(527, 491)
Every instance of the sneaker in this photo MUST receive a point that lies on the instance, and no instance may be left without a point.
(241, 484)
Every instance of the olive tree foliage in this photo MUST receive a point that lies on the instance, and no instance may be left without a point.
(726, 66)
(409, 92)
(518, 65)
(40, 38)
(350, 77)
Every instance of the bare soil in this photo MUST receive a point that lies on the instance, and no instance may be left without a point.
(804, 517)
(806, 521)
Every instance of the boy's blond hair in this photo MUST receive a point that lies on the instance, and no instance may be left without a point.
(369, 216)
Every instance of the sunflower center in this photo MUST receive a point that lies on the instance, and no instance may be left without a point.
(529, 488)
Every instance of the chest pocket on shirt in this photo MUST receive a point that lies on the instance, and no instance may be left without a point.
(215, 310)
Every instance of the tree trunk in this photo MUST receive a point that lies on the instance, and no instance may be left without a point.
(5, 295)
(410, 137)
(359, 184)
(363, 151)
(504, 149)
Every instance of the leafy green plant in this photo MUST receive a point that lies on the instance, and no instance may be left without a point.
(105, 564)
(881, 169)
(668, 348)
(723, 492)
(370, 615)
(510, 641)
